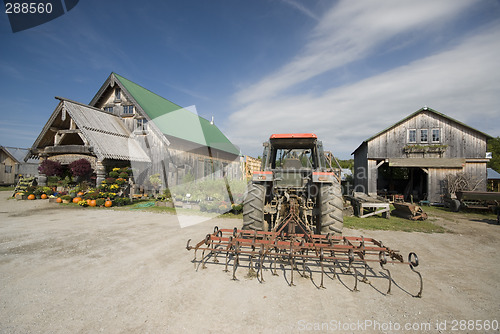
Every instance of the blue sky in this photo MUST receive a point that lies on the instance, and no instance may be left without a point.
(342, 69)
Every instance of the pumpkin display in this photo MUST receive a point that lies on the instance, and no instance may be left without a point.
(77, 199)
(92, 202)
(44, 196)
(31, 197)
(108, 203)
(59, 200)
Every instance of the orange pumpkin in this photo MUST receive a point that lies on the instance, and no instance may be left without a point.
(77, 199)
(31, 197)
(80, 194)
(108, 203)
(92, 202)
(59, 200)
(44, 196)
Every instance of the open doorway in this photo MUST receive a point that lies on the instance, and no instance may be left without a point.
(411, 182)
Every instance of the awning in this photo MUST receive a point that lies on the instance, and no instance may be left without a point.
(427, 162)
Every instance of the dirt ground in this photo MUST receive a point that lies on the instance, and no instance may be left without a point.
(95, 270)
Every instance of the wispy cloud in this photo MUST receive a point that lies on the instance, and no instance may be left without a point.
(348, 32)
(462, 81)
(301, 8)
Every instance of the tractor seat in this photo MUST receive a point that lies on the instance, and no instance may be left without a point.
(292, 163)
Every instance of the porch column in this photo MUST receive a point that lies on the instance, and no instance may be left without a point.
(100, 173)
(41, 179)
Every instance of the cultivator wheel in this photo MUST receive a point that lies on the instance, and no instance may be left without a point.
(260, 251)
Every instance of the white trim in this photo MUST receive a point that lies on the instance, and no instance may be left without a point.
(408, 136)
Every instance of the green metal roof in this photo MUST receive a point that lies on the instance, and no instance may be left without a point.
(176, 121)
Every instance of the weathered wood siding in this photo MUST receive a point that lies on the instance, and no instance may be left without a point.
(478, 172)
(7, 162)
(436, 187)
(462, 141)
(361, 169)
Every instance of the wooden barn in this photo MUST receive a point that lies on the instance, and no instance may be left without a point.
(12, 165)
(126, 124)
(414, 157)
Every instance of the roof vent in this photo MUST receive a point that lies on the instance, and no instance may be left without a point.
(212, 121)
(425, 107)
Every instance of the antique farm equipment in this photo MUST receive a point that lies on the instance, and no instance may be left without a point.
(478, 199)
(366, 206)
(293, 216)
(409, 211)
(303, 253)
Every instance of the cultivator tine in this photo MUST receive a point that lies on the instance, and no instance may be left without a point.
(262, 254)
(254, 248)
(413, 265)
(236, 258)
(322, 269)
(383, 261)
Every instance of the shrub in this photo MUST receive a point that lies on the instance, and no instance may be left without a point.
(114, 174)
(38, 191)
(52, 181)
(120, 181)
(122, 201)
(100, 201)
(155, 180)
(114, 187)
(51, 168)
(123, 175)
(110, 180)
(91, 195)
(80, 168)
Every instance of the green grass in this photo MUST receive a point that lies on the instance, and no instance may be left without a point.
(163, 209)
(7, 188)
(392, 224)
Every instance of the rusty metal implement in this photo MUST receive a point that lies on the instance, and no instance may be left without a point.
(301, 252)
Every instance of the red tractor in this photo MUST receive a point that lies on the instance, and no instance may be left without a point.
(296, 190)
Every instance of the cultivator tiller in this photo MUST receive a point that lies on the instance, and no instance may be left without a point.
(302, 252)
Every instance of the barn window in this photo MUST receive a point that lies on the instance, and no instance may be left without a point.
(142, 124)
(424, 135)
(436, 135)
(128, 109)
(412, 136)
(109, 109)
(118, 94)
(8, 169)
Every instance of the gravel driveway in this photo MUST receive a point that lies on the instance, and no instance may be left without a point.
(84, 270)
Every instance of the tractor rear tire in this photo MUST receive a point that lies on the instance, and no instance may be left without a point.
(331, 208)
(253, 208)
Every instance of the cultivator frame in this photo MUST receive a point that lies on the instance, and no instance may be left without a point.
(311, 250)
